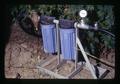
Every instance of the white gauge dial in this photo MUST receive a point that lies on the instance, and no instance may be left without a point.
(83, 13)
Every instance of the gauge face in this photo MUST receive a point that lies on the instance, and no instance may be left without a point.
(83, 13)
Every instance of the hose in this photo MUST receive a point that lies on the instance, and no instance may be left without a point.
(101, 30)
(107, 32)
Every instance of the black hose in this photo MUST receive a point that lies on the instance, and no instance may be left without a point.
(107, 32)
(101, 30)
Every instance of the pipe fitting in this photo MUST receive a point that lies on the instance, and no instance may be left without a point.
(56, 21)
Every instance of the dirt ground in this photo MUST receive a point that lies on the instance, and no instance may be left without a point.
(24, 52)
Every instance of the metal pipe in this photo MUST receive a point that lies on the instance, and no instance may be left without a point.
(76, 53)
(82, 25)
(86, 58)
(58, 39)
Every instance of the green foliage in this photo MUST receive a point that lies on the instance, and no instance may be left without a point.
(104, 13)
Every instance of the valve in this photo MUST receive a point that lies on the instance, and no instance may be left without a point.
(82, 24)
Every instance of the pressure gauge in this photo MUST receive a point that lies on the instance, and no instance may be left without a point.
(83, 13)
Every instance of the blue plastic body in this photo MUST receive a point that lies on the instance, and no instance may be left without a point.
(49, 38)
(67, 37)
